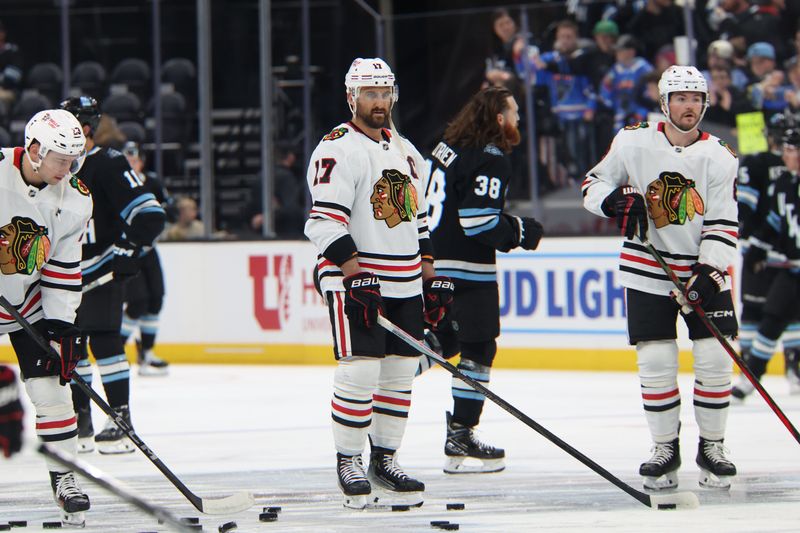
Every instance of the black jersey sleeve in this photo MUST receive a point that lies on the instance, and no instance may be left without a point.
(768, 235)
(482, 200)
(749, 186)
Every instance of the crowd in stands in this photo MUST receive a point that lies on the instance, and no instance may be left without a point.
(594, 75)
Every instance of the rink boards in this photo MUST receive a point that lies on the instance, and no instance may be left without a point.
(254, 302)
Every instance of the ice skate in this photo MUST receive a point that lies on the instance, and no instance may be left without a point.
(792, 365)
(661, 470)
(466, 454)
(353, 480)
(113, 440)
(149, 364)
(744, 387)
(70, 498)
(390, 485)
(716, 470)
(85, 430)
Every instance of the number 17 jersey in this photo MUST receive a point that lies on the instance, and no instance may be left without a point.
(466, 197)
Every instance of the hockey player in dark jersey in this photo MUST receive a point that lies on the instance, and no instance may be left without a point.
(125, 222)
(758, 175)
(144, 294)
(466, 194)
(778, 235)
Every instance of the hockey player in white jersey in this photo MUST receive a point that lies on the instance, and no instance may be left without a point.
(369, 223)
(674, 185)
(45, 209)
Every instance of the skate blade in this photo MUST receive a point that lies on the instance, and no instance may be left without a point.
(666, 482)
(85, 444)
(473, 465)
(73, 520)
(381, 499)
(149, 370)
(117, 447)
(357, 502)
(709, 480)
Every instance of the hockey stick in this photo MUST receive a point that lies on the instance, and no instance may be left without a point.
(229, 504)
(112, 485)
(722, 340)
(102, 280)
(656, 501)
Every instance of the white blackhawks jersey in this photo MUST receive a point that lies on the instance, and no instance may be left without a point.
(40, 243)
(371, 192)
(690, 194)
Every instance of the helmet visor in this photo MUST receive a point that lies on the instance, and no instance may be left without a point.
(62, 164)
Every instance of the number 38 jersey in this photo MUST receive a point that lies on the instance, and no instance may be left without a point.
(466, 196)
(368, 202)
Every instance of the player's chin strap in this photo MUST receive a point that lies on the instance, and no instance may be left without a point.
(656, 501)
(721, 338)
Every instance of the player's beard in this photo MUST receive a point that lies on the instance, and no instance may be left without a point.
(372, 120)
(512, 134)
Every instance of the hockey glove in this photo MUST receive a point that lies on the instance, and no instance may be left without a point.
(10, 413)
(528, 232)
(627, 205)
(125, 264)
(706, 283)
(362, 299)
(68, 343)
(438, 292)
(754, 259)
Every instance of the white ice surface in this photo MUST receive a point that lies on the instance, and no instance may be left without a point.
(264, 429)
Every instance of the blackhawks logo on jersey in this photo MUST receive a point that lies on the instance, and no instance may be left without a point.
(24, 246)
(727, 147)
(671, 199)
(638, 126)
(394, 198)
(336, 133)
(79, 185)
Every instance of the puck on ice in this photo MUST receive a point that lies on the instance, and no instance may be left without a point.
(18, 523)
(227, 526)
(51, 525)
(190, 520)
(401, 507)
(449, 527)
(267, 517)
(439, 523)
(667, 506)
(275, 509)
(455, 506)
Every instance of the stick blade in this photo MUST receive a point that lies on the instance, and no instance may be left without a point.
(235, 503)
(678, 500)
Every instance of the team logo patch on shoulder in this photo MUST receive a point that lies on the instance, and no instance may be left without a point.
(394, 198)
(24, 246)
(336, 133)
(79, 185)
(637, 126)
(672, 199)
(727, 147)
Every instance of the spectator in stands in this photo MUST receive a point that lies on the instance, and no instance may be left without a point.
(622, 86)
(288, 201)
(725, 100)
(187, 227)
(656, 25)
(765, 89)
(755, 21)
(720, 56)
(600, 57)
(792, 88)
(10, 72)
(505, 49)
(665, 58)
(650, 99)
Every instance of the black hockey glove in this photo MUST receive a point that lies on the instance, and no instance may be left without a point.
(528, 232)
(11, 413)
(627, 205)
(438, 292)
(69, 343)
(754, 259)
(706, 283)
(362, 299)
(125, 264)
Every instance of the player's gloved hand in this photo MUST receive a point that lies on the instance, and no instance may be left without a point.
(125, 264)
(10, 413)
(627, 205)
(754, 259)
(69, 343)
(362, 298)
(438, 293)
(529, 232)
(706, 283)
(681, 300)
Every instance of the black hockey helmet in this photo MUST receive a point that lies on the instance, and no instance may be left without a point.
(791, 137)
(85, 108)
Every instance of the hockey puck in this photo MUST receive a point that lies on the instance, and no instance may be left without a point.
(401, 507)
(227, 526)
(5, 527)
(455, 506)
(449, 527)
(275, 509)
(439, 523)
(267, 517)
(18, 523)
(51, 525)
(667, 506)
(190, 520)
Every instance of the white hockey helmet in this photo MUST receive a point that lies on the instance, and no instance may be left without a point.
(59, 131)
(678, 78)
(369, 72)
